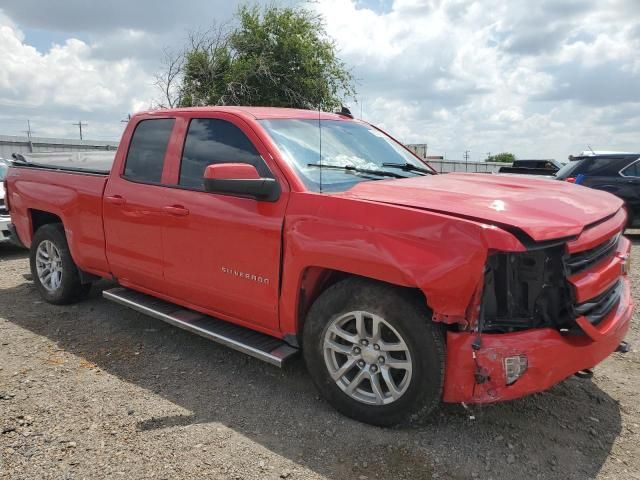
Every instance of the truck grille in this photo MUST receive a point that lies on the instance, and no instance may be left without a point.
(599, 307)
(583, 260)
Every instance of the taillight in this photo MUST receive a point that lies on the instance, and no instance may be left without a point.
(570, 179)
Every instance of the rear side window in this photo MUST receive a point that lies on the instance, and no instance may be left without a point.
(632, 170)
(211, 140)
(145, 158)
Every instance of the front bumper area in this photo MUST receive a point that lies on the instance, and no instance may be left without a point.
(552, 356)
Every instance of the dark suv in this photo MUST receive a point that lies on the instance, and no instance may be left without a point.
(617, 173)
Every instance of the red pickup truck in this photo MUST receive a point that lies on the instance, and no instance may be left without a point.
(275, 231)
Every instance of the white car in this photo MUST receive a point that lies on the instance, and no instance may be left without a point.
(5, 219)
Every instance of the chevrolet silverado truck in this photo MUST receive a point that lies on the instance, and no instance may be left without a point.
(277, 231)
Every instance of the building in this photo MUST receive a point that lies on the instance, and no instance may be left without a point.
(447, 166)
(15, 144)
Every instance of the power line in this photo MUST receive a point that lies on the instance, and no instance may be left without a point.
(80, 125)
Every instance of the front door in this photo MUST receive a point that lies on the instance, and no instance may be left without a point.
(133, 214)
(222, 252)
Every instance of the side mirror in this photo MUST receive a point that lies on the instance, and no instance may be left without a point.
(240, 179)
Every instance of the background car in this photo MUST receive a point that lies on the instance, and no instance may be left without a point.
(548, 167)
(614, 172)
(4, 214)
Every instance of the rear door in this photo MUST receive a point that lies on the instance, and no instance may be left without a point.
(222, 252)
(133, 202)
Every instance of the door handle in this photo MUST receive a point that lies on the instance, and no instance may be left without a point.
(177, 210)
(115, 200)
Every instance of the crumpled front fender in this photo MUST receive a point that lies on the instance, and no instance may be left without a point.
(442, 256)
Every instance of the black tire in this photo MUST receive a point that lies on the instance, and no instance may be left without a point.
(407, 313)
(71, 289)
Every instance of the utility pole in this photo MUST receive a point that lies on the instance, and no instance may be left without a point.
(80, 125)
(126, 120)
(28, 130)
(488, 156)
(29, 133)
(466, 160)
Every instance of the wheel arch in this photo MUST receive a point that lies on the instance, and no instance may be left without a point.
(314, 280)
(39, 218)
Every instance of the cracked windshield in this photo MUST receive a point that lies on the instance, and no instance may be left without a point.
(351, 153)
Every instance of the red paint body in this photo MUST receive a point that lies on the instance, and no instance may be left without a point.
(432, 233)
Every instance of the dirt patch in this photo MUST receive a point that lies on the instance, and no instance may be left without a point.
(97, 391)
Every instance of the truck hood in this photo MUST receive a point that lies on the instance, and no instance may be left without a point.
(543, 209)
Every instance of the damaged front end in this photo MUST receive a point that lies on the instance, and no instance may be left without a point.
(526, 290)
(541, 316)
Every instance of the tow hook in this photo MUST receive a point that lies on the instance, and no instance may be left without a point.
(586, 373)
(624, 347)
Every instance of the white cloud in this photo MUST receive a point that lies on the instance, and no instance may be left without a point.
(541, 78)
(68, 78)
(66, 75)
(529, 77)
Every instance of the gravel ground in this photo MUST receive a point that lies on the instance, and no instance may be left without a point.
(98, 391)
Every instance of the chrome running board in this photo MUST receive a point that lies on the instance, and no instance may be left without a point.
(264, 347)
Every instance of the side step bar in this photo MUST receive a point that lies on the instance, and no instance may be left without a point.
(264, 347)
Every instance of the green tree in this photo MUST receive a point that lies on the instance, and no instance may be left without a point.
(273, 57)
(504, 157)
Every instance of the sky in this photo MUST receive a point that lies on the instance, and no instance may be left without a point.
(541, 79)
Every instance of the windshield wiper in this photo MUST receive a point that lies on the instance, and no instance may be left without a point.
(351, 168)
(408, 167)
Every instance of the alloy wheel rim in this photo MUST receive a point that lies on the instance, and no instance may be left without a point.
(49, 265)
(367, 358)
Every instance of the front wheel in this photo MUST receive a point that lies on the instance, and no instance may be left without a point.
(53, 270)
(373, 352)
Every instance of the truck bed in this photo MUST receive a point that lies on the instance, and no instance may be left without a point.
(98, 163)
(73, 194)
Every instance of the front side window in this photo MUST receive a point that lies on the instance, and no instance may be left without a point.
(595, 166)
(210, 141)
(148, 147)
(350, 152)
(568, 169)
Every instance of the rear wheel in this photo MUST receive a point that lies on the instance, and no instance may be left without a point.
(373, 352)
(54, 272)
